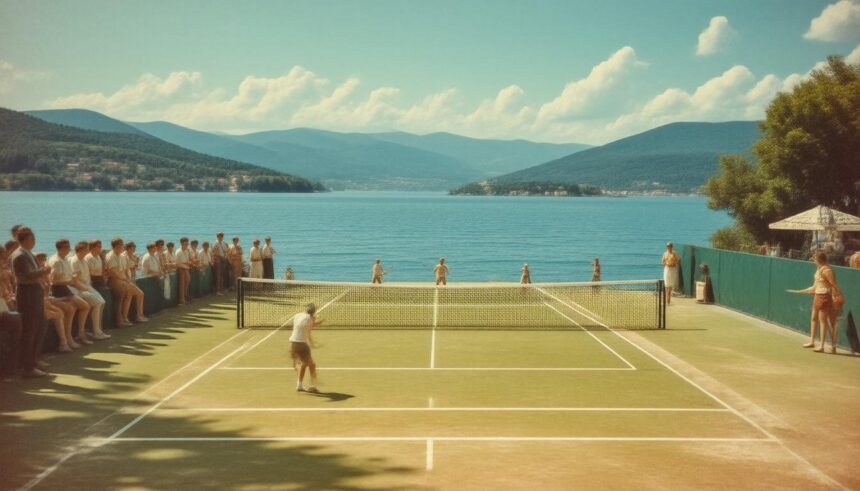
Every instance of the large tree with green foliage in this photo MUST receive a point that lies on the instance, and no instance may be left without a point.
(809, 155)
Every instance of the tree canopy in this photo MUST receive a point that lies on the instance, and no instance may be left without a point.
(808, 155)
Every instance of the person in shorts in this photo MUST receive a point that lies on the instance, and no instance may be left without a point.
(300, 347)
(441, 272)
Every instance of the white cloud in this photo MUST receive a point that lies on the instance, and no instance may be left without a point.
(715, 37)
(837, 22)
(854, 56)
(10, 76)
(581, 97)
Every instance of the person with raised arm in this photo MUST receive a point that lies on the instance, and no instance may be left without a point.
(826, 301)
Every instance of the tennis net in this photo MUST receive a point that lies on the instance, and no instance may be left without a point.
(589, 305)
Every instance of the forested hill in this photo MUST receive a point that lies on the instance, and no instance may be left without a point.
(677, 157)
(38, 155)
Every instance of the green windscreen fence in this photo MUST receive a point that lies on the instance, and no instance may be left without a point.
(757, 285)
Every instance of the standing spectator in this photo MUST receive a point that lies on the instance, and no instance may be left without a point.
(255, 257)
(130, 263)
(10, 321)
(159, 255)
(441, 272)
(168, 259)
(234, 257)
(194, 255)
(63, 289)
(149, 264)
(30, 299)
(824, 310)
(670, 271)
(95, 264)
(376, 273)
(183, 270)
(205, 256)
(595, 270)
(268, 260)
(219, 263)
(83, 283)
(289, 274)
(525, 275)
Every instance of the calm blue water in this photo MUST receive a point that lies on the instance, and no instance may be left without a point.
(336, 236)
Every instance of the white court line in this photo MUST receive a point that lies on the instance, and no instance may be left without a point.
(736, 412)
(586, 330)
(445, 409)
(435, 323)
(429, 464)
(443, 439)
(450, 369)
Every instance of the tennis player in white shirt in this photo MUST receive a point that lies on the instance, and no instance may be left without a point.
(300, 346)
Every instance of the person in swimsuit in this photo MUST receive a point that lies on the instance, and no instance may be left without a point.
(441, 271)
(377, 272)
(823, 309)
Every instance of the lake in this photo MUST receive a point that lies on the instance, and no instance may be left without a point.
(336, 236)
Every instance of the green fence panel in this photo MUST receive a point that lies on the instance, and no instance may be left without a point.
(194, 284)
(153, 294)
(173, 299)
(757, 285)
(687, 266)
(206, 281)
(744, 282)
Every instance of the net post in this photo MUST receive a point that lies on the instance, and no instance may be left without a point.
(661, 304)
(240, 304)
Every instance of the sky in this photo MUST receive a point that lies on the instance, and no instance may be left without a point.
(557, 71)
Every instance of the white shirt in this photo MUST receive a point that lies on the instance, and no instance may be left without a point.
(205, 259)
(81, 270)
(150, 265)
(182, 257)
(60, 270)
(95, 264)
(114, 261)
(268, 252)
(254, 254)
(169, 257)
(302, 324)
(219, 249)
(377, 269)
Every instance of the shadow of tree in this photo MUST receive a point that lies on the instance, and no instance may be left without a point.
(89, 396)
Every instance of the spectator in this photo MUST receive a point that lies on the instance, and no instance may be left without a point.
(30, 299)
(205, 256)
(168, 259)
(219, 263)
(194, 255)
(149, 264)
(824, 311)
(854, 260)
(132, 260)
(183, 270)
(671, 280)
(96, 264)
(63, 289)
(525, 275)
(130, 263)
(10, 321)
(255, 258)
(234, 257)
(441, 272)
(268, 260)
(58, 312)
(118, 281)
(595, 269)
(83, 284)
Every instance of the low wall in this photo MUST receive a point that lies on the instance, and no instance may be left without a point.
(757, 285)
(154, 299)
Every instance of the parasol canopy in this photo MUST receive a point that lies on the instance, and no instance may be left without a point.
(819, 218)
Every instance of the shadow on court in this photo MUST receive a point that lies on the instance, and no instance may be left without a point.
(43, 420)
(331, 396)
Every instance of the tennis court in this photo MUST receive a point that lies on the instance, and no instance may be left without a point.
(433, 407)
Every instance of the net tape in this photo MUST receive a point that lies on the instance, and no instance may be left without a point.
(634, 304)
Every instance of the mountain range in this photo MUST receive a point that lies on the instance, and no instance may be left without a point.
(678, 157)
(395, 160)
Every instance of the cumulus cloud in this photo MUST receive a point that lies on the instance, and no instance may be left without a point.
(837, 22)
(582, 96)
(10, 76)
(854, 56)
(715, 37)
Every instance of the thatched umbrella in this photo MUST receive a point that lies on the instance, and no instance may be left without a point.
(819, 218)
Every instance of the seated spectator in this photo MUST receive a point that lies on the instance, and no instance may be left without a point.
(10, 322)
(58, 312)
(96, 264)
(63, 290)
(84, 289)
(205, 256)
(129, 263)
(118, 281)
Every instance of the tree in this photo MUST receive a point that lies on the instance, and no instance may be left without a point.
(808, 155)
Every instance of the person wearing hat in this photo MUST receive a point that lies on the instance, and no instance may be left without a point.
(525, 275)
(670, 271)
(268, 260)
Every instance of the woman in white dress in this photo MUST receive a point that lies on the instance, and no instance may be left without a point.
(671, 279)
(256, 257)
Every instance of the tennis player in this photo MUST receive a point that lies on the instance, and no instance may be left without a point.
(300, 346)
(441, 271)
(378, 273)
